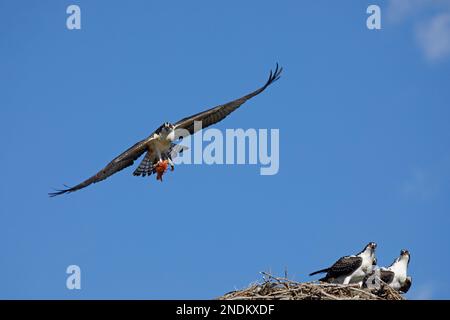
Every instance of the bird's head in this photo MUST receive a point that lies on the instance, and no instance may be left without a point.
(165, 129)
(370, 249)
(371, 246)
(404, 254)
(168, 126)
(402, 259)
(369, 252)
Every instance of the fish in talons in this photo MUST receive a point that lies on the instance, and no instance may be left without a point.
(161, 168)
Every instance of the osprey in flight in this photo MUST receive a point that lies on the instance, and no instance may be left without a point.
(351, 269)
(396, 275)
(159, 148)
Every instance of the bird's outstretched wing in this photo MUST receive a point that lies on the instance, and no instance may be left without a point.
(124, 160)
(218, 113)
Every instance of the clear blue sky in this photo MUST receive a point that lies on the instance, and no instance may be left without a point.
(364, 136)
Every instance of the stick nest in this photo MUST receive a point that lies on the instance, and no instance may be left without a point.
(274, 288)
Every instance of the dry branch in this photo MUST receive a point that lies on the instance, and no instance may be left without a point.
(275, 288)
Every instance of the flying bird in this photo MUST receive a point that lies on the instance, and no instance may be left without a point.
(396, 275)
(159, 148)
(351, 269)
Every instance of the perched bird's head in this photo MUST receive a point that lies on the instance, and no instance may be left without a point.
(402, 259)
(369, 254)
(404, 254)
(371, 246)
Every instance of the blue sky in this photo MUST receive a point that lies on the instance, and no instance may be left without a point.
(364, 144)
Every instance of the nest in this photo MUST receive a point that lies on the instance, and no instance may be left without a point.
(274, 288)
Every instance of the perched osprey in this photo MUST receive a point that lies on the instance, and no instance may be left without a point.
(396, 275)
(159, 147)
(351, 269)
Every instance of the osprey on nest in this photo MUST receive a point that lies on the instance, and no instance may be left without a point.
(396, 275)
(159, 146)
(351, 269)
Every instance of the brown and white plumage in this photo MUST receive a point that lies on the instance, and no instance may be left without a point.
(159, 145)
(216, 114)
(396, 275)
(123, 161)
(350, 269)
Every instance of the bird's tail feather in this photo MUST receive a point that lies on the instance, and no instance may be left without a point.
(319, 271)
(146, 166)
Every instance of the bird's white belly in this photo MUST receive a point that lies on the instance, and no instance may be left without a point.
(397, 282)
(339, 280)
(395, 285)
(358, 275)
(355, 277)
(161, 145)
